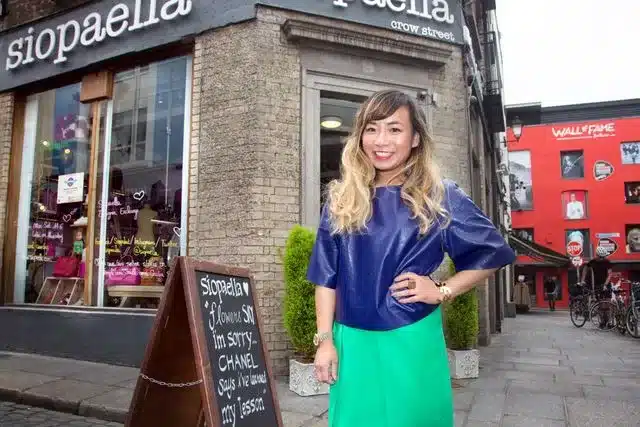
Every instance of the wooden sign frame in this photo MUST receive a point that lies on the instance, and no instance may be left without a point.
(176, 384)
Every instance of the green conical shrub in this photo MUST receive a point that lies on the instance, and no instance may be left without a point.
(299, 298)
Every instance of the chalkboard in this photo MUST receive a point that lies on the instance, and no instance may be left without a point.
(206, 362)
(235, 350)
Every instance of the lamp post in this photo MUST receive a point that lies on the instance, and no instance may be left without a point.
(516, 127)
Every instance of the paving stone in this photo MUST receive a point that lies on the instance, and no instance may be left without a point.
(462, 400)
(614, 393)
(104, 374)
(295, 419)
(602, 413)
(487, 407)
(289, 401)
(17, 380)
(459, 418)
(519, 421)
(545, 386)
(535, 405)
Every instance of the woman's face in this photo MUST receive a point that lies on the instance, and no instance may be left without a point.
(388, 142)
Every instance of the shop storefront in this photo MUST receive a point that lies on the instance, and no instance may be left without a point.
(140, 130)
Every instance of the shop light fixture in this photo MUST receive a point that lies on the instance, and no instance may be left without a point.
(516, 127)
(45, 143)
(330, 122)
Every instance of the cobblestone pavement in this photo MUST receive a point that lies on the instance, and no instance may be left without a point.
(15, 415)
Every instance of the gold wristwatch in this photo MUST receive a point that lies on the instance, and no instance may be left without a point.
(319, 338)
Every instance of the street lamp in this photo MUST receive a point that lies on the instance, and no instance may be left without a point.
(516, 127)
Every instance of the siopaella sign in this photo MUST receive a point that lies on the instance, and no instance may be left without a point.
(98, 31)
(439, 20)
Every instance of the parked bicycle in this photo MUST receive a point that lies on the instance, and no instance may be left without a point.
(581, 299)
(632, 315)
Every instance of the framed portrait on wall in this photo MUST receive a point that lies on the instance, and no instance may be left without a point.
(632, 235)
(521, 190)
(630, 153)
(632, 192)
(572, 164)
(574, 204)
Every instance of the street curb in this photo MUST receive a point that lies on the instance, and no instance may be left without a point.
(79, 408)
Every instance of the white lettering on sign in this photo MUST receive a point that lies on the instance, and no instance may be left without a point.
(59, 43)
(436, 10)
(586, 131)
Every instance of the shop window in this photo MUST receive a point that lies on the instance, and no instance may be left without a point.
(572, 164)
(525, 234)
(630, 153)
(574, 204)
(139, 176)
(521, 190)
(581, 236)
(632, 233)
(632, 192)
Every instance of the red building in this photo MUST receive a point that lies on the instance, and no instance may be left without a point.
(575, 176)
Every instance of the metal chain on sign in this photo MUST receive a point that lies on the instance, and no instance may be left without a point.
(172, 385)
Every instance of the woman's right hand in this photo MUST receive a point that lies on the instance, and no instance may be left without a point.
(326, 362)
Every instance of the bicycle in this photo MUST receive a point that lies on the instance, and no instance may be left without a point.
(580, 304)
(632, 315)
(610, 311)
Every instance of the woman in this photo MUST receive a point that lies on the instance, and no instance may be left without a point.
(384, 229)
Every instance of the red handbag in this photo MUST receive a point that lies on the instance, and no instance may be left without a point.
(66, 266)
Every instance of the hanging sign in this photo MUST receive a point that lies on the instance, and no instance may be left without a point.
(70, 188)
(206, 361)
(574, 248)
(609, 246)
(602, 170)
(577, 261)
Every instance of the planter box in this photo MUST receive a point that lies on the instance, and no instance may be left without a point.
(464, 363)
(302, 379)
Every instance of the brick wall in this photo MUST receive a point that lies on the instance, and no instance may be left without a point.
(22, 11)
(245, 173)
(6, 127)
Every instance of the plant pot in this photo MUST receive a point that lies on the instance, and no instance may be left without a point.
(302, 379)
(464, 363)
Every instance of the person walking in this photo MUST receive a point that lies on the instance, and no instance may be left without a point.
(384, 229)
(551, 290)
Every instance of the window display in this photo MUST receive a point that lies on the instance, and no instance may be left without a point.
(138, 191)
(52, 208)
(632, 192)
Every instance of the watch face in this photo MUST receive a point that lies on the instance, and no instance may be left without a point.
(315, 339)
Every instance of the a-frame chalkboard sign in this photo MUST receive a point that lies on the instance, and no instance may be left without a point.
(206, 362)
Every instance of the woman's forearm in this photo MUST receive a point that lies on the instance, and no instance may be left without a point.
(325, 308)
(466, 280)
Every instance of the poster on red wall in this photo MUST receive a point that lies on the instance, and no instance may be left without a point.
(602, 170)
(574, 204)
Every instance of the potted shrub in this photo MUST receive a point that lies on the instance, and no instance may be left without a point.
(300, 312)
(461, 332)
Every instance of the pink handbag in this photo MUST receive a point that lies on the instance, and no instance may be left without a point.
(123, 275)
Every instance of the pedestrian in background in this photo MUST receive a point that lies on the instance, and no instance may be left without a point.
(551, 290)
(383, 231)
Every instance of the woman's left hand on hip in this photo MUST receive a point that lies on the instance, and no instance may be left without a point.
(410, 287)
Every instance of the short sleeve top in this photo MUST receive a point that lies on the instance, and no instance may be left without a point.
(361, 266)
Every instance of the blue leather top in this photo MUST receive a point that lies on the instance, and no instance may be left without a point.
(362, 266)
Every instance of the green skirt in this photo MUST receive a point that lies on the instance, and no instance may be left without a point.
(396, 378)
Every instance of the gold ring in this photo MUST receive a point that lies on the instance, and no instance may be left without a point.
(412, 284)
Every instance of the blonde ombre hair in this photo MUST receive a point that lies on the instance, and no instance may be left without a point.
(349, 198)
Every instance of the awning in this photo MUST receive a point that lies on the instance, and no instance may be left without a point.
(538, 252)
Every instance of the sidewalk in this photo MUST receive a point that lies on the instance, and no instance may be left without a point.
(104, 391)
(541, 371)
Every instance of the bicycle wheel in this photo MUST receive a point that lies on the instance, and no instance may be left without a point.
(578, 313)
(602, 315)
(633, 323)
